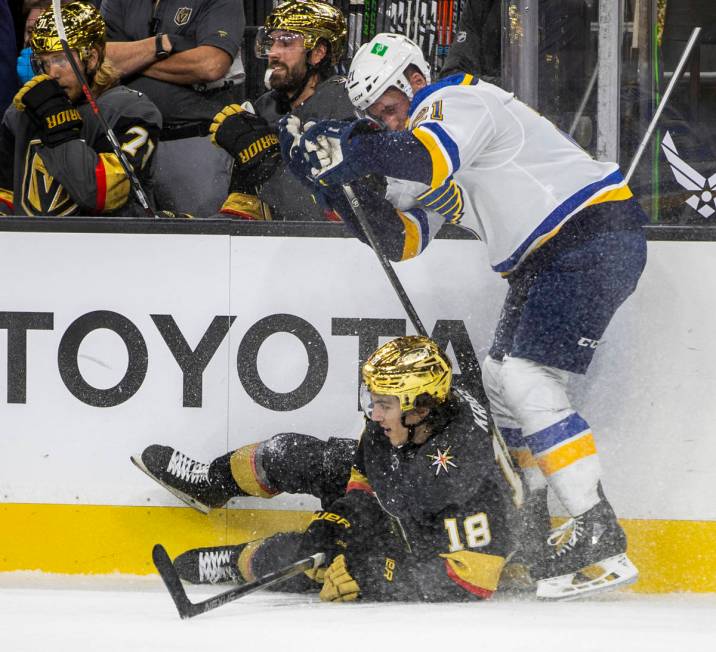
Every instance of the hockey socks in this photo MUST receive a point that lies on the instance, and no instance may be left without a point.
(245, 469)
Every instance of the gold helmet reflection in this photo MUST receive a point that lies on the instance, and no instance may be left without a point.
(313, 20)
(84, 27)
(409, 367)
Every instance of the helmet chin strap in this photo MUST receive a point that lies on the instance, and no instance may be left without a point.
(412, 428)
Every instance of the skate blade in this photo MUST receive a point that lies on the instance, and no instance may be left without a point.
(192, 502)
(604, 576)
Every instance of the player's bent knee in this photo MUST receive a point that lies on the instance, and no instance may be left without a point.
(534, 392)
(492, 377)
(302, 464)
(503, 416)
(293, 458)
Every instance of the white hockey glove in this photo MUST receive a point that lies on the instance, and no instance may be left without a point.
(290, 133)
(327, 148)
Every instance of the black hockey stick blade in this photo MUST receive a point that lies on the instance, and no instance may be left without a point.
(189, 609)
(171, 580)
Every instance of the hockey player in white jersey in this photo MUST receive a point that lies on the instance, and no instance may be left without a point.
(563, 228)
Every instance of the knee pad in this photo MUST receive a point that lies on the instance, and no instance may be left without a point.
(534, 393)
(291, 461)
(492, 377)
(301, 464)
(493, 383)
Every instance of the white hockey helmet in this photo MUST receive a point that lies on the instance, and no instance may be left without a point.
(380, 64)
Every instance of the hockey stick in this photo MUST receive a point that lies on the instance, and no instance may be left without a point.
(128, 170)
(662, 105)
(189, 609)
(385, 263)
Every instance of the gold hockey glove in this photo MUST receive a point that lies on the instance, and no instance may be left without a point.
(338, 583)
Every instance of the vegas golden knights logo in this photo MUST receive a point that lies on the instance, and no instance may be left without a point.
(182, 16)
(42, 194)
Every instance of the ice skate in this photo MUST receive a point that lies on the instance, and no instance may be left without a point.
(186, 478)
(589, 557)
(217, 565)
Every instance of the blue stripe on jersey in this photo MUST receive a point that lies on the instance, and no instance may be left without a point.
(447, 209)
(422, 218)
(446, 200)
(452, 80)
(441, 193)
(567, 428)
(447, 142)
(557, 217)
(513, 437)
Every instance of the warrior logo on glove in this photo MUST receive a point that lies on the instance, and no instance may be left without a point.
(258, 146)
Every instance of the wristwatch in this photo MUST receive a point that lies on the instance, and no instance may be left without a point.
(159, 50)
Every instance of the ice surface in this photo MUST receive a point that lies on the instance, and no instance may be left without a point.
(41, 612)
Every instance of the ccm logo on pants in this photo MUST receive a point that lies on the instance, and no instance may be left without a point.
(586, 342)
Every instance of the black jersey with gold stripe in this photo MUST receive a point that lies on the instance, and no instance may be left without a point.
(81, 176)
(453, 500)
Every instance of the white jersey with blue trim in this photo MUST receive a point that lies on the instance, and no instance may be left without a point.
(500, 168)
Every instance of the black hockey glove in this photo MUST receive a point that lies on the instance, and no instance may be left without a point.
(330, 533)
(253, 144)
(47, 105)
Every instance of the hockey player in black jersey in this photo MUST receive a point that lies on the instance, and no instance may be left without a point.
(426, 510)
(428, 467)
(303, 42)
(55, 159)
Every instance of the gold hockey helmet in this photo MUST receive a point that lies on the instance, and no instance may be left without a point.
(84, 27)
(409, 367)
(313, 20)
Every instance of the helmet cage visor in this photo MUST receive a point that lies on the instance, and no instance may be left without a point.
(267, 38)
(41, 62)
(367, 404)
(366, 400)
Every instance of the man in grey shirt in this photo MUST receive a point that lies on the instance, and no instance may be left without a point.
(184, 54)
